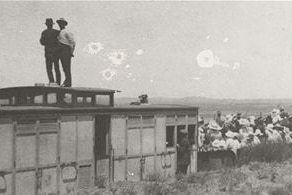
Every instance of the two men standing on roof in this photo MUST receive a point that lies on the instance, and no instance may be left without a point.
(59, 45)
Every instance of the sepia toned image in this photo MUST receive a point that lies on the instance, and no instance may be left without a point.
(145, 97)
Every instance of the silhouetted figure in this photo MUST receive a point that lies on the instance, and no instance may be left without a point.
(218, 119)
(183, 152)
(50, 41)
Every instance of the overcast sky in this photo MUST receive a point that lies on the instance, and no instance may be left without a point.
(169, 49)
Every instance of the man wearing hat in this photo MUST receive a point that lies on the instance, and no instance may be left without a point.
(50, 41)
(67, 47)
(183, 152)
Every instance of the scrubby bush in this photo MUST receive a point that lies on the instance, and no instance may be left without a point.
(156, 188)
(289, 187)
(231, 178)
(198, 178)
(155, 177)
(129, 190)
(264, 152)
(178, 187)
(124, 188)
(101, 181)
(279, 191)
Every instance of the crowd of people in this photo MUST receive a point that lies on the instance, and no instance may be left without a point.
(235, 131)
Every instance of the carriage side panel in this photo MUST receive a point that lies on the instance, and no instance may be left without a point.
(118, 124)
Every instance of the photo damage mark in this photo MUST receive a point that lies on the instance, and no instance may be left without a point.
(205, 59)
(108, 74)
(93, 48)
(139, 52)
(116, 57)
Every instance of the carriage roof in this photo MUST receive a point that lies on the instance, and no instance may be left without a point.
(16, 99)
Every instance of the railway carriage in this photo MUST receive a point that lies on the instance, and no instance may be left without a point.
(57, 140)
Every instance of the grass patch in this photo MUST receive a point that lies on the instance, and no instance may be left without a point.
(264, 152)
(156, 188)
(155, 177)
(101, 181)
(230, 179)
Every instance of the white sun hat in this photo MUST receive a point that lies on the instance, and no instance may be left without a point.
(244, 122)
(270, 126)
(275, 111)
(258, 132)
(219, 144)
(231, 134)
(214, 126)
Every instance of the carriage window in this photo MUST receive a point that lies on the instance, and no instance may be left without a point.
(4, 102)
(48, 125)
(169, 136)
(181, 119)
(134, 122)
(179, 134)
(103, 100)
(192, 119)
(88, 100)
(84, 100)
(67, 98)
(38, 99)
(52, 98)
(29, 99)
(13, 100)
(79, 100)
(26, 126)
(170, 119)
(148, 121)
(191, 133)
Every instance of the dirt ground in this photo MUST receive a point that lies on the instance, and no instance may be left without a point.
(252, 179)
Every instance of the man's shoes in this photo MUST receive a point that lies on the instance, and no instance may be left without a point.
(63, 85)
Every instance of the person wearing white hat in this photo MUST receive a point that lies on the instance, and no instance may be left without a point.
(232, 142)
(258, 133)
(287, 135)
(273, 135)
(256, 140)
(213, 125)
(67, 47)
(201, 136)
(252, 120)
(246, 131)
(219, 144)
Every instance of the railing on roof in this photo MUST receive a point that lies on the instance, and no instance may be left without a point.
(56, 96)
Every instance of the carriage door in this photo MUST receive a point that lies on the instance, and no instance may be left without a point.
(101, 146)
(36, 156)
(25, 157)
(140, 147)
(189, 122)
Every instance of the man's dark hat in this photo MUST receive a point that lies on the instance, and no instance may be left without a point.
(62, 20)
(49, 21)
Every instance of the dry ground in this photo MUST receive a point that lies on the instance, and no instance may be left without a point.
(252, 179)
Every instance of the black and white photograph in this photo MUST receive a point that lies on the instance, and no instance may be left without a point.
(145, 97)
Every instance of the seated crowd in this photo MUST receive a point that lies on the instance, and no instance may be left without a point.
(234, 131)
